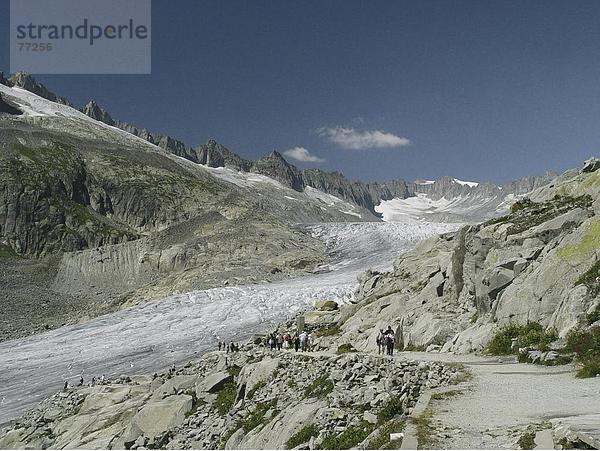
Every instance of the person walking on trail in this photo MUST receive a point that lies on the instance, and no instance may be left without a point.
(303, 338)
(270, 342)
(296, 340)
(309, 342)
(389, 341)
(380, 341)
(279, 342)
(286, 341)
(66, 387)
(219, 345)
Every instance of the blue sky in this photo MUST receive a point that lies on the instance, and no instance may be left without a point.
(479, 90)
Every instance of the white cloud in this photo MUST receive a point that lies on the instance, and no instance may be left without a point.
(302, 154)
(350, 138)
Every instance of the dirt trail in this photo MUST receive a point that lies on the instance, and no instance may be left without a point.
(502, 399)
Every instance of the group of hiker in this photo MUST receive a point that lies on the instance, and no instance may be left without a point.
(232, 347)
(299, 342)
(101, 380)
(385, 341)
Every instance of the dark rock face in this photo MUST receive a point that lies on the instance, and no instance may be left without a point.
(7, 108)
(591, 165)
(45, 204)
(93, 110)
(214, 155)
(337, 184)
(275, 166)
(172, 145)
(4, 81)
(528, 184)
(26, 81)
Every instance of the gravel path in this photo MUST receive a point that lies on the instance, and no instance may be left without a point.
(502, 399)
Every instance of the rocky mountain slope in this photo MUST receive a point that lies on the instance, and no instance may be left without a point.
(451, 293)
(253, 399)
(447, 199)
(111, 216)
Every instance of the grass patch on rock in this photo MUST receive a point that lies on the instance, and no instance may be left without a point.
(7, 252)
(414, 348)
(576, 444)
(424, 427)
(526, 214)
(445, 395)
(328, 331)
(234, 370)
(591, 279)
(345, 348)
(254, 389)
(348, 439)
(591, 318)
(225, 398)
(257, 416)
(382, 440)
(528, 335)
(589, 243)
(302, 436)
(390, 410)
(319, 388)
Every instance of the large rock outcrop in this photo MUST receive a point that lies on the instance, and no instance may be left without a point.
(451, 292)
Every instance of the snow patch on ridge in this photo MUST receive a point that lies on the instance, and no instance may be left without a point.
(463, 183)
(33, 106)
(419, 207)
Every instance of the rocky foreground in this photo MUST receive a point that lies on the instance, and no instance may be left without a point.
(252, 399)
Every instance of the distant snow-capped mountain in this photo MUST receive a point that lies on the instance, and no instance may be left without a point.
(446, 199)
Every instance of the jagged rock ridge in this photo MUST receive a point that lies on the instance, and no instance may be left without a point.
(366, 195)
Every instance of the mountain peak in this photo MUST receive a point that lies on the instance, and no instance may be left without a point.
(26, 81)
(93, 110)
(274, 155)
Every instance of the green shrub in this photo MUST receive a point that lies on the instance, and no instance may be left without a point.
(320, 388)
(302, 436)
(382, 440)
(586, 346)
(328, 331)
(521, 205)
(345, 348)
(591, 279)
(390, 409)
(7, 251)
(590, 367)
(234, 370)
(529, 335)
(225, 398)
(351, 437)
(527, 440)
(591, 318)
